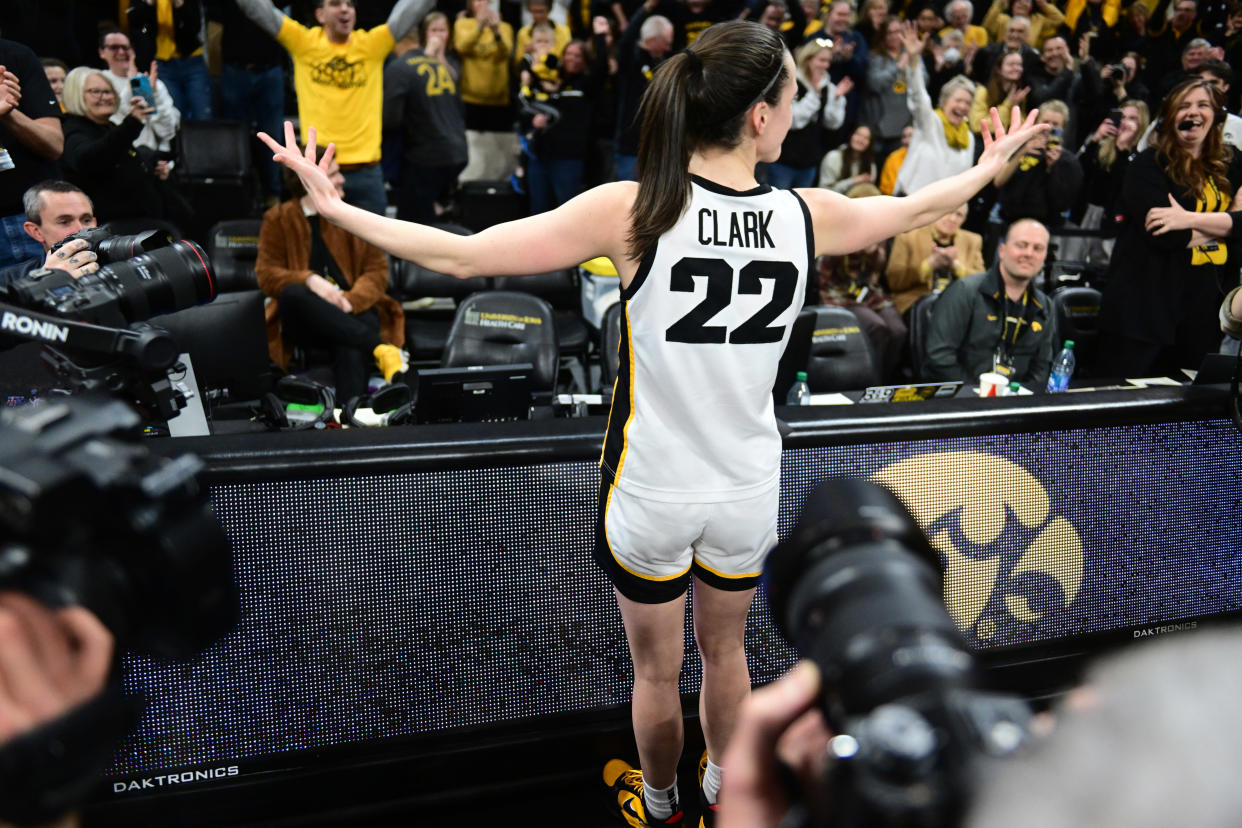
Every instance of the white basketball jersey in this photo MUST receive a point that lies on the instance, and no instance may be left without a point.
(706, 320)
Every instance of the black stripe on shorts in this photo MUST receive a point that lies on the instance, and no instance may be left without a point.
(635, 587)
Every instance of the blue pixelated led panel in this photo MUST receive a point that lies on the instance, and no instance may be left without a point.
(385, 606)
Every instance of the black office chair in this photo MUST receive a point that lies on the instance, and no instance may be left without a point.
(430, 301)
(504, 328)
(920, 327)
(1077, 313)
(842, 357)
(609, 345)
(214, 171)
(561, 290)
(233, 247)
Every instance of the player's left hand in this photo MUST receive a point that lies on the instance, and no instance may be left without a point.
(314, 177)
(997, 150)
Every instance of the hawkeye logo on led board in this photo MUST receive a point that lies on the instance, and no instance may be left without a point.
(993, 523)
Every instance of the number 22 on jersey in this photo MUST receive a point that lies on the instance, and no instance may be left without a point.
(693, 328)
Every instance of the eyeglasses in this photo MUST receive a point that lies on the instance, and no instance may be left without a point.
(117, 47)
(99, 93)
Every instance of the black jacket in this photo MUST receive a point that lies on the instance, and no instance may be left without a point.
(17, 271)
(143, 26)
(968, 321)
(1035, 191)
(100, 158)
(1154, 292)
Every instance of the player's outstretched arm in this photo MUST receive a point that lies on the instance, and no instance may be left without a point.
(844, 225)
(590, 225)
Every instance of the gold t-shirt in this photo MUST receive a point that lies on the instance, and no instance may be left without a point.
(340, 87)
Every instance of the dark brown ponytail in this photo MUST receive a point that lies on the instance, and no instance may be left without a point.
(698, 98)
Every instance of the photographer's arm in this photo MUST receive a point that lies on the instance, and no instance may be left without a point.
(50, 662)
(778, 723)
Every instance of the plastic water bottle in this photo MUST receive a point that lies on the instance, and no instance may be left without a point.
(1062, 368)
(799, 392)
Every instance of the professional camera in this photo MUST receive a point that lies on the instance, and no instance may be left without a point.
(1118, 71)
(89, 518)
(110, 248)
(857, 589)
(94, 331)
(139, 276)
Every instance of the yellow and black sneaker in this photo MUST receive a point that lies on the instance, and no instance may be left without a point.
(707, 810)
(390, 360)
(625, 783)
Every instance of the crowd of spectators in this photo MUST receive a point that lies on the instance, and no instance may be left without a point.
(422, 95)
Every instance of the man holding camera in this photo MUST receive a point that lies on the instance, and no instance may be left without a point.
(54, 211)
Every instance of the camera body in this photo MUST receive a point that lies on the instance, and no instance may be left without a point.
(113, 248)
(142, 550)
(857, 589)
(105, 342)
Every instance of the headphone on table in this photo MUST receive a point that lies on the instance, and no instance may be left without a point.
(394, 404)
(299, 391)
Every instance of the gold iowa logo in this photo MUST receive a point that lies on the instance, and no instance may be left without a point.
(964, 500)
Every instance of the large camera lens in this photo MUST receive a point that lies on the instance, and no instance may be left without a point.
(164, 280)
(857, 588)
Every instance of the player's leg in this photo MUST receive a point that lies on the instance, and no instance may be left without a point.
(728, 560)
(656, 640)
(644, 547)
(720, 631)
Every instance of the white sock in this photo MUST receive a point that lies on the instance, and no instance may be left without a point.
(661, 803)
(711, 781)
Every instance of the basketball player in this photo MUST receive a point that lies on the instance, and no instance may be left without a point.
(712, 268)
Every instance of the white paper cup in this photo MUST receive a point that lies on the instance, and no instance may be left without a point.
(993, 385)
